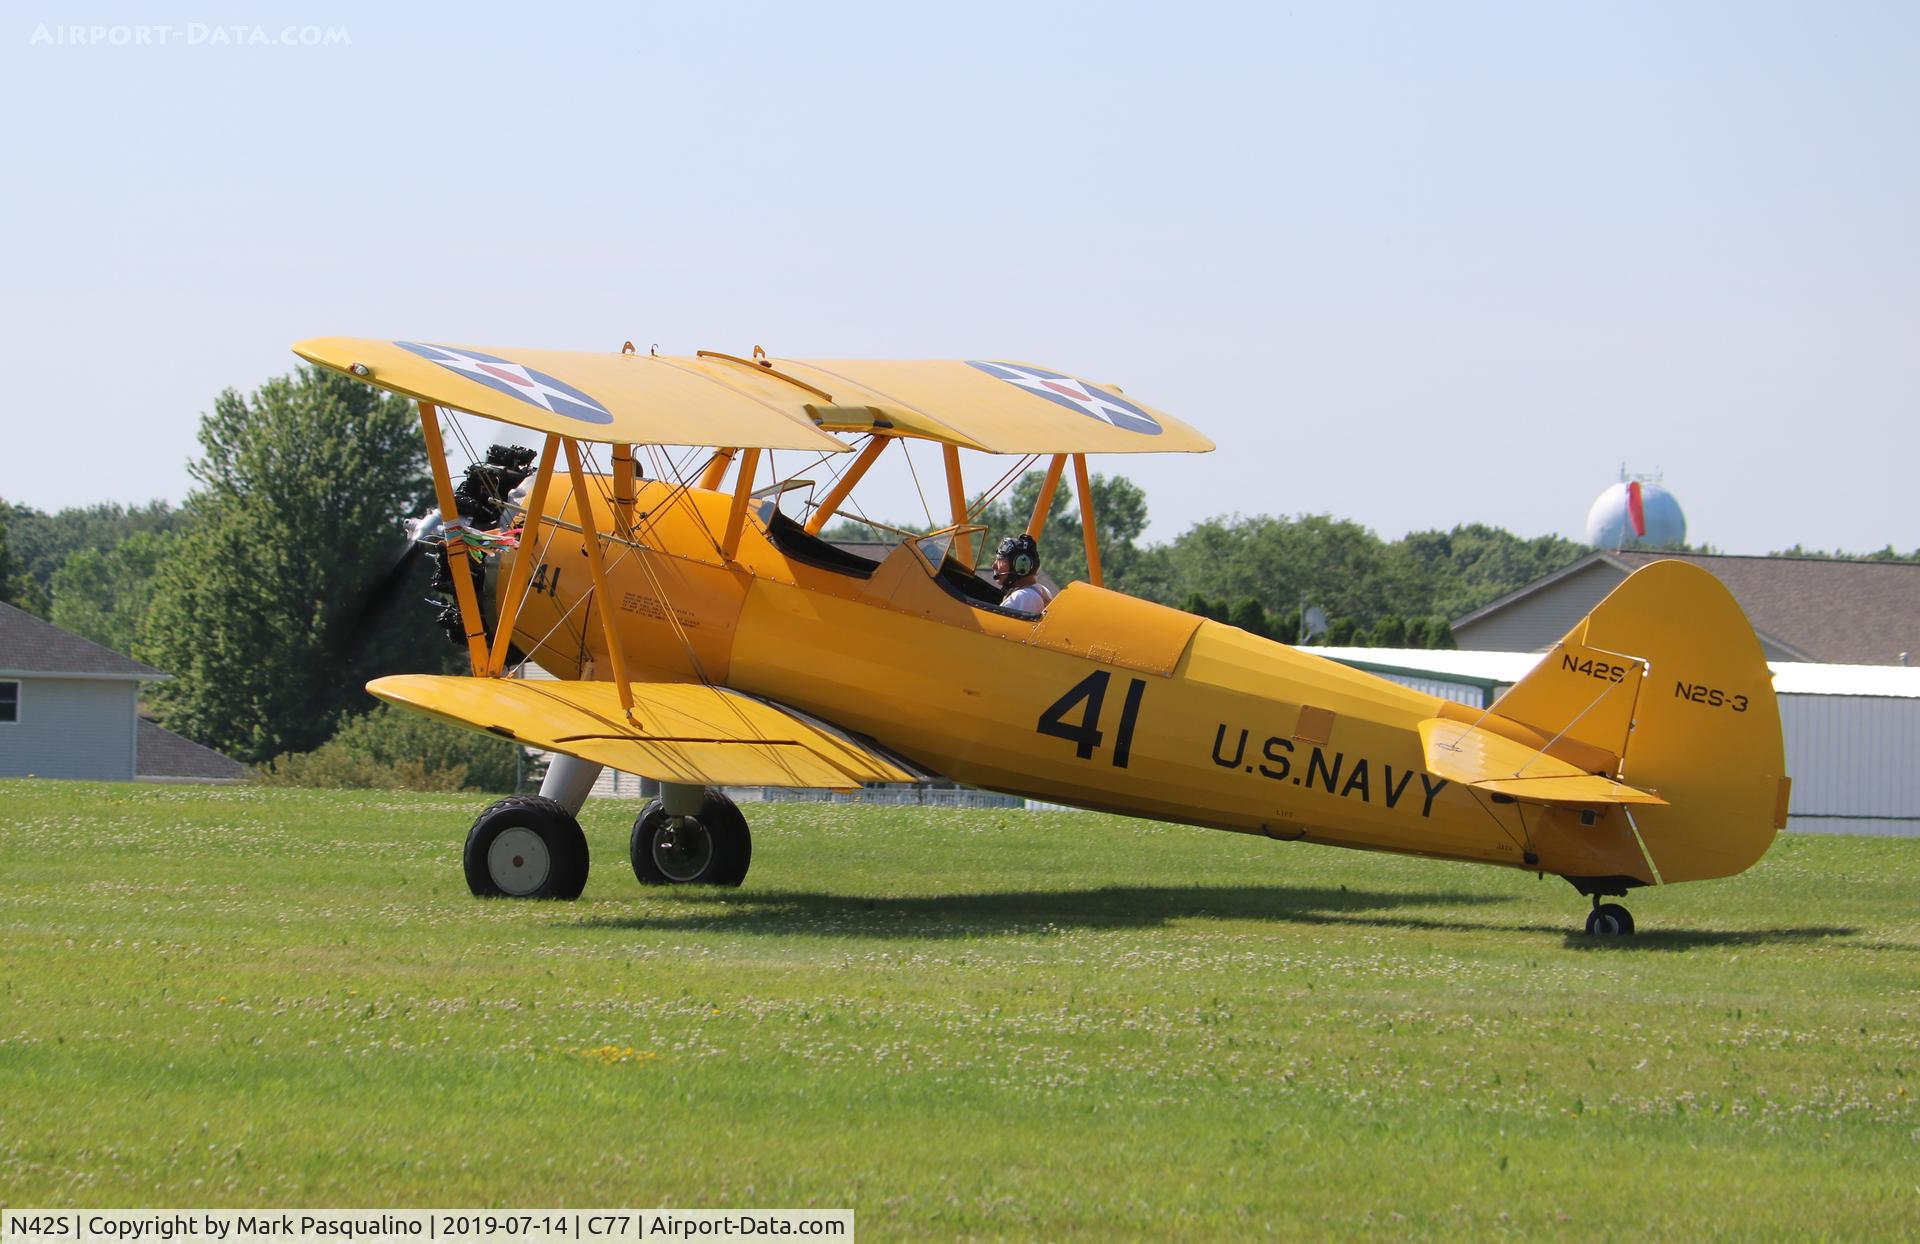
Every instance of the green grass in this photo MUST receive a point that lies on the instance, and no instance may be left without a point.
(958, 1023)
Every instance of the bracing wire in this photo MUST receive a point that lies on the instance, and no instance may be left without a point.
(590, 468)
(833, 473)
(460, 434)
(653, 579)
(540, 559)
(452, 423)
(987, 498)
(906, 451)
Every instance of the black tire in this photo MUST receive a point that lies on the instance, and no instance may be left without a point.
(1610, 920)
(713, 848)
(526, 846)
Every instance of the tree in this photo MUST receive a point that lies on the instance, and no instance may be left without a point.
(1251, 616)
(43, 542)
(396, 749)
(15, 586)
(1451, 573)
(1200, 607)
(1338, 565)
(1276, 562)
(104, 595)
(1389, 631)
(297, 515)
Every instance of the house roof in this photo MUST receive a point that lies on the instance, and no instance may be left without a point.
(29, 645)
(165, 756)
(1824, 609)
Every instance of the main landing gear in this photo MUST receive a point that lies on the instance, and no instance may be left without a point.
(531, 846)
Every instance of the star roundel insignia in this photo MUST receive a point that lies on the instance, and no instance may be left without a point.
(535, 388)
(1074, 394)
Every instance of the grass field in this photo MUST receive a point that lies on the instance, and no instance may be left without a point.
(957, 1023)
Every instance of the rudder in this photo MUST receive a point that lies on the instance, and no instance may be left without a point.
(1667, 674)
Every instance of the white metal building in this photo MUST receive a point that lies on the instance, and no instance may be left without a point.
(1852, 732)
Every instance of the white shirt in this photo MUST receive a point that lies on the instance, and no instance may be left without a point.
(1029, 599)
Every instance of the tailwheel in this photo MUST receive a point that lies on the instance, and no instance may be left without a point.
(526, 846)
(678, 841)
(1609, 920)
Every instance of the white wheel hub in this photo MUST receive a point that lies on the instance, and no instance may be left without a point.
(518, 861)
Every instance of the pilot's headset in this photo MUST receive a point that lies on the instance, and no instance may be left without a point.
(1021, 554)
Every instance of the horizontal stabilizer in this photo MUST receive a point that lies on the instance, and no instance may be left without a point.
(680, 732)
(1460, 752)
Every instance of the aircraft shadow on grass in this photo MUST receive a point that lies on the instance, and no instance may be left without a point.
(1701, 939)
(787, 912)
(1003, 913)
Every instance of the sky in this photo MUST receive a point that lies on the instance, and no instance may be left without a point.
(1413, 265)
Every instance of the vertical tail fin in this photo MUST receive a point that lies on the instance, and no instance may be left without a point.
(1667, 675)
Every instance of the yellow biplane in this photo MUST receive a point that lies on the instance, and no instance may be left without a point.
(703, 638)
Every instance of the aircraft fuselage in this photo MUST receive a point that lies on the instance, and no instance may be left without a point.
(1106, 702)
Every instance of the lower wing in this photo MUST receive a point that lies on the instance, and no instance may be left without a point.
(679, 732)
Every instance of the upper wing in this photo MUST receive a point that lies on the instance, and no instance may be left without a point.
(1001, 407)
(685, 732)
(1460, 753)
(717, 400)
(639, 399)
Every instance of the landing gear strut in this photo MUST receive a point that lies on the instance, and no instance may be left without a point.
(1609, 920)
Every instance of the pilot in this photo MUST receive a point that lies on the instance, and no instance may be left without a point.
(1014, 564)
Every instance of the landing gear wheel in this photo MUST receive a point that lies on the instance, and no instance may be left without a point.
(1610, 920)
(526, 847)
(711, 848)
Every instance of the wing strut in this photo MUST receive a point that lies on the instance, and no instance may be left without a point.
(737, 512)
(1044, 503)
(462, 574)
(1087, 531)
(515, 594)
(590, 541)
(623, 494)
(830, 504)
(957, 500)
(716, 468)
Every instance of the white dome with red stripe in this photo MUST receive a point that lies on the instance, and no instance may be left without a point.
(1636, 513)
